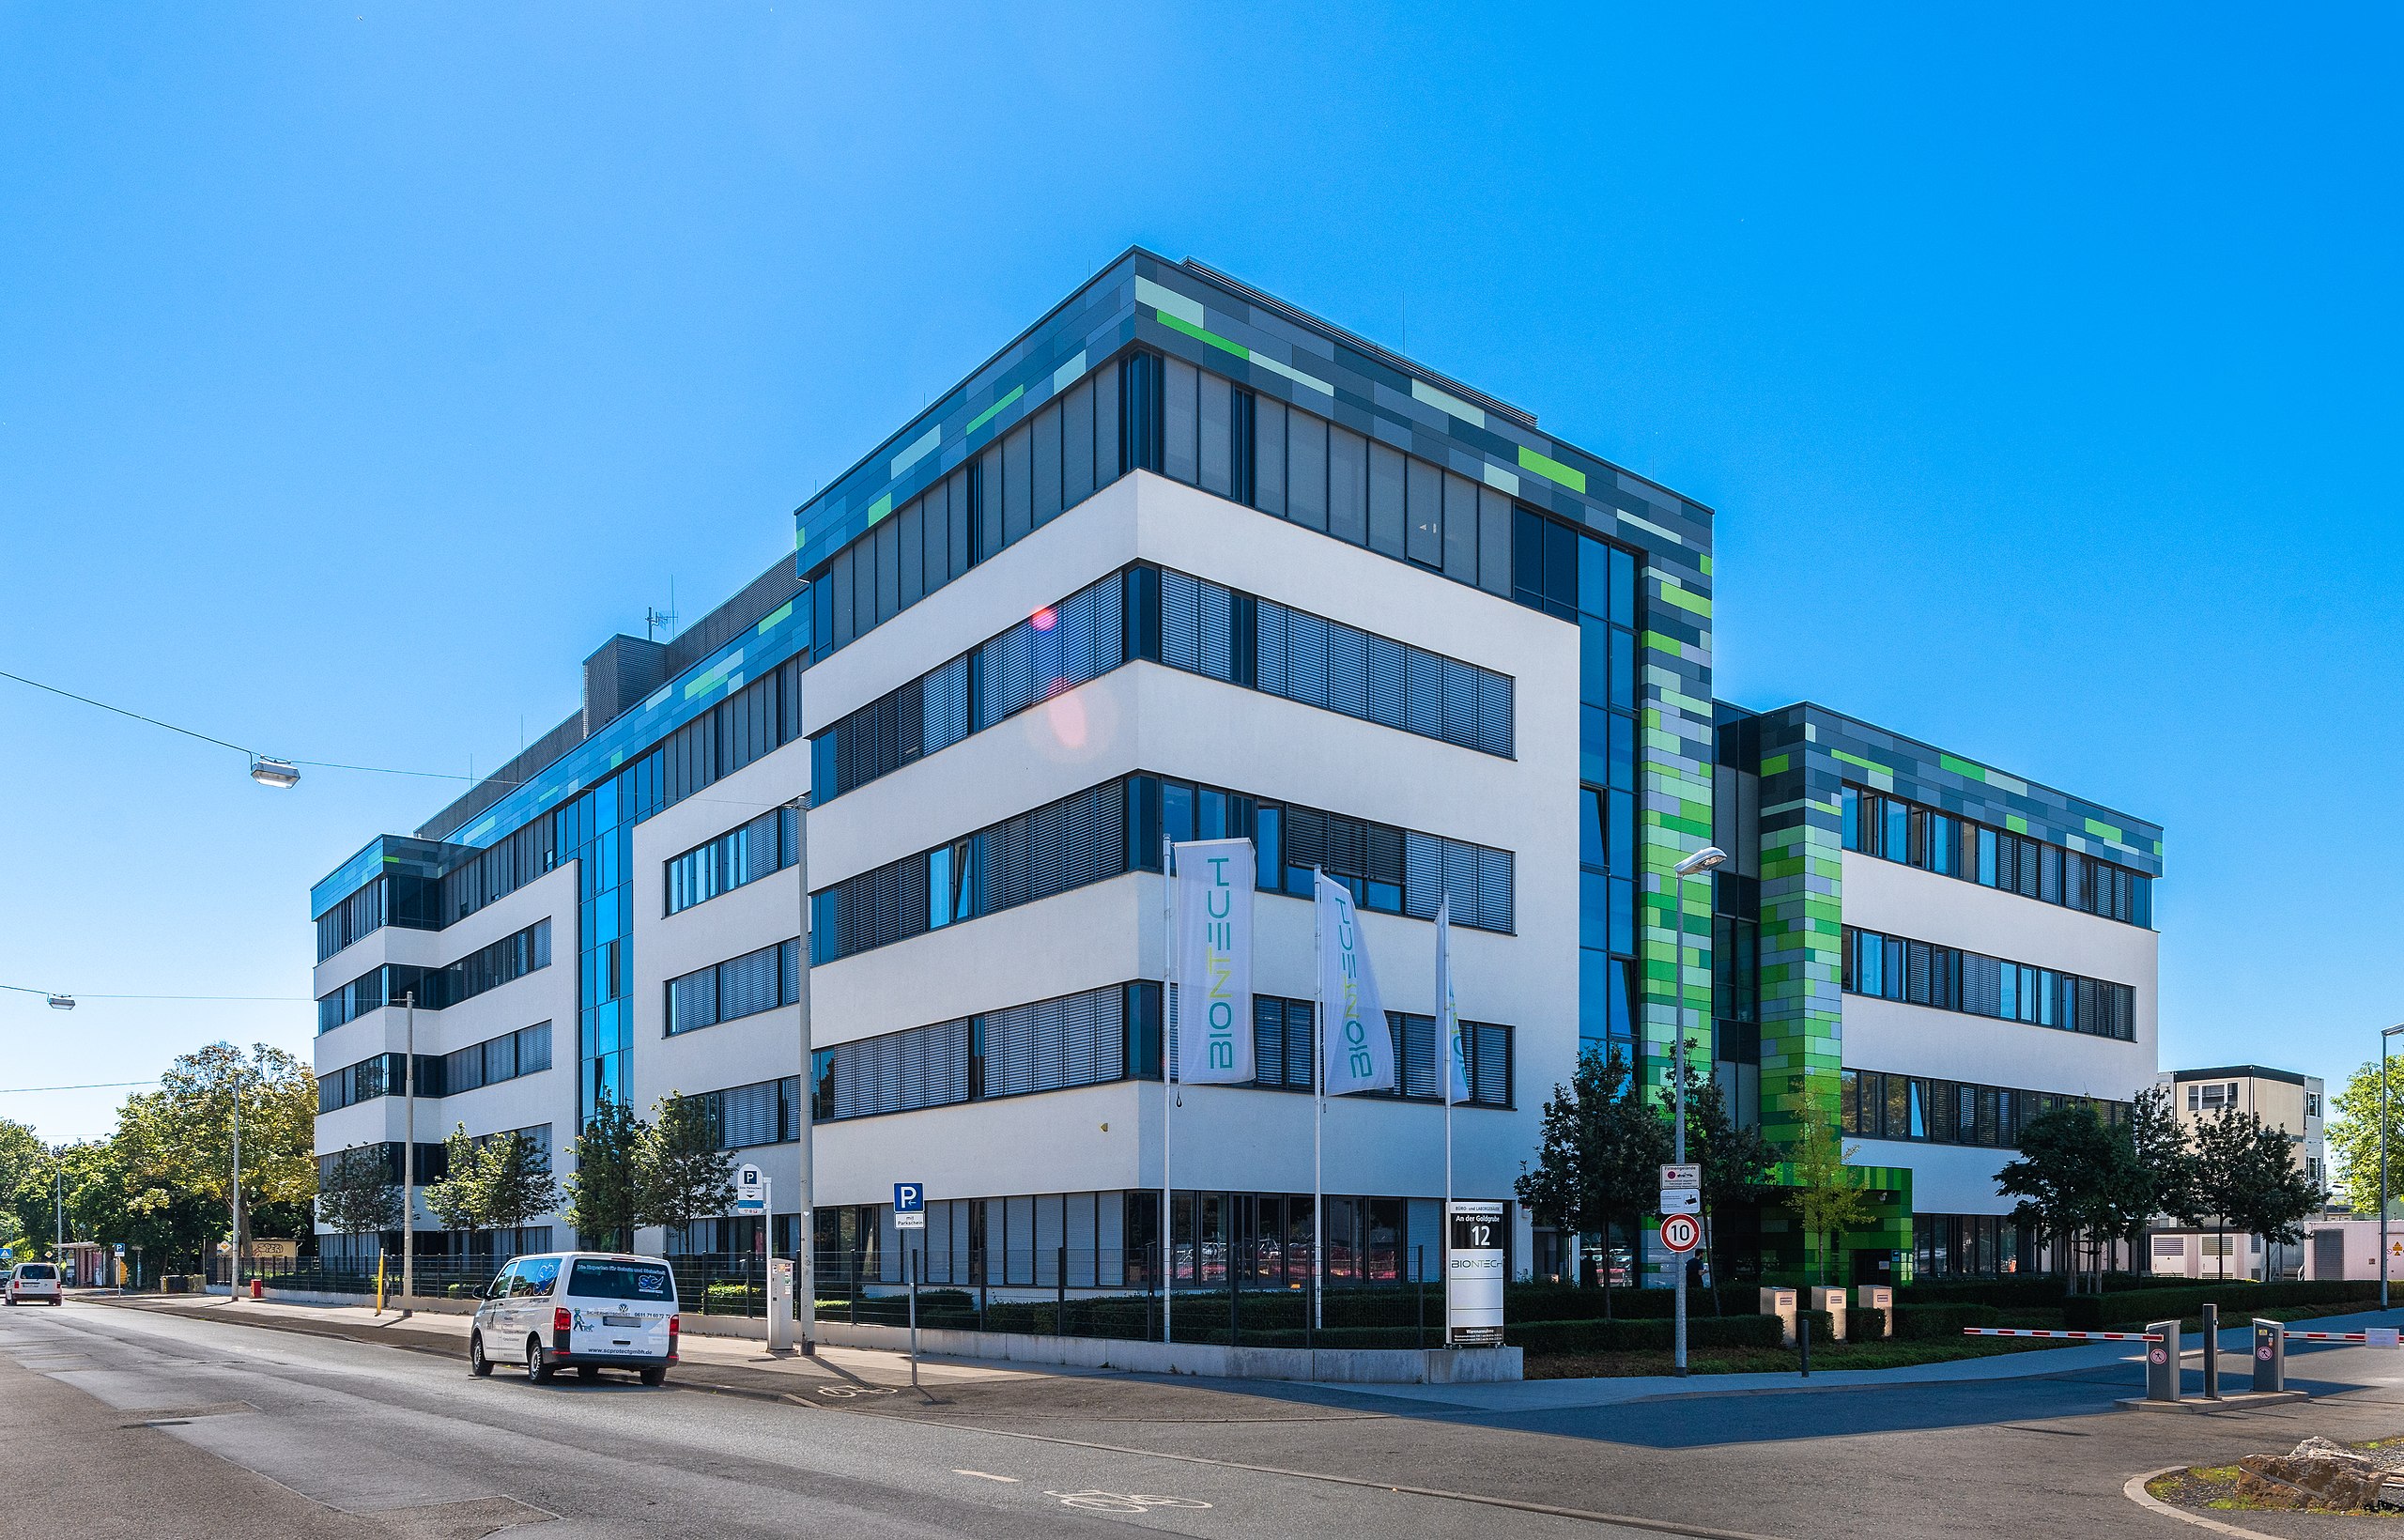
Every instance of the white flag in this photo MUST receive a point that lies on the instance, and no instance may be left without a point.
(1214, 879)
(1358, 1052)
(1448, 1010)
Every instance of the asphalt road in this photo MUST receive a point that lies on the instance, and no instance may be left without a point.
(403, 1442)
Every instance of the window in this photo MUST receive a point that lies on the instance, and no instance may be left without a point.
(742, 855)
(1877, 1105)
(1949, 978)
(1087, 1038)
(1117, 826)
(1881, 824)
(740, 986)
(1187, 623)
(525, 1052)
(486, 968)
(2312, 1103)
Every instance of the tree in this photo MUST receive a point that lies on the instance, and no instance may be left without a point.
(178, 1142)
(2072, 1177)
(682, 1173)
(2248, 1179)
(2353, 1136)
(1736, 1162)
(602, 1197)
(1828, 1197)
(1599, 1162)
(2166, 1157)
(516, 1183)
(360, 1194)
(457, 1199)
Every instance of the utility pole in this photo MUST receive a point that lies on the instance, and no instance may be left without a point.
(409, 1149)
(58, 1176)
(805, 1267)
(1699, 864)
(234, 1272)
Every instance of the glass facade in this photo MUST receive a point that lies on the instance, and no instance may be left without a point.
(1575, 577)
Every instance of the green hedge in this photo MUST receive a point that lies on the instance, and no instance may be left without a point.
(1621, 1336)
(2033, 1291)
(1931, 1322)
(2237, 1299)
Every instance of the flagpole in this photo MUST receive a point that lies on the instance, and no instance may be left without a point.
(1446, 1030)
(1168, 1091)
(1318, 1103)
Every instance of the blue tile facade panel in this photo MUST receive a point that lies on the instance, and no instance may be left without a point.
(1186, 314)
(762, 647)
(1918, 772)
(1193, 316)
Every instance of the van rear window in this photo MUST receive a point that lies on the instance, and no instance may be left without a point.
(596, 1280)
(37, 1270)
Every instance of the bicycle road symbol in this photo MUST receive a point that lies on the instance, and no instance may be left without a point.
(844, 1392)
(1122, 1502)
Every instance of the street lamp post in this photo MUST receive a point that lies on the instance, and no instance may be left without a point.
(2383, 1036)
(1700, 862)
(408, 1147)
(805, 1268)
(234, 1259)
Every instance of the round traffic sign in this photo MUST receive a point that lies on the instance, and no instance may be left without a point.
(1681, 1233)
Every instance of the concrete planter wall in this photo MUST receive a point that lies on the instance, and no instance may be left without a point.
(1347, 1365)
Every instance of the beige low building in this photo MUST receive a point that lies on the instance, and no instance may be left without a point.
(2282, 1099)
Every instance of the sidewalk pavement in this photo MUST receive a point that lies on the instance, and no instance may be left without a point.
(730, 1363)
(743, 1366)
(1562, 1394)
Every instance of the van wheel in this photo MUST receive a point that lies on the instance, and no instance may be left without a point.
(654, 1376)
(478, 1364)
(539, 1367)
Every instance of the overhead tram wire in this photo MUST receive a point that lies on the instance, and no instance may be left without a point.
(271, 776)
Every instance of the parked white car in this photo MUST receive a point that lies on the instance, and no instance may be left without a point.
(586, 1311)
(35, 1281)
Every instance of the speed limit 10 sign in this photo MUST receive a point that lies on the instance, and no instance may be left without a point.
(1681, 1233)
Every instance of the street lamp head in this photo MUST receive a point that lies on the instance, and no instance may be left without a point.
(2392, 1031)
(62, 1002)
(281, 774)
(1702, 860)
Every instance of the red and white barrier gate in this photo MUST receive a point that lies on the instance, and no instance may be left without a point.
(2062, 1336)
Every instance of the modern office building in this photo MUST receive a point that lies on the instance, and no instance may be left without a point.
(1182, 562)
(2285, 1100)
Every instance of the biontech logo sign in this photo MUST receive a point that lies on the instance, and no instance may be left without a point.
(1214, 879)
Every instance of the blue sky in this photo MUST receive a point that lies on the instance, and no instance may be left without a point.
(361, 369)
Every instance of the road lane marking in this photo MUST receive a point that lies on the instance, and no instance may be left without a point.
(982, 1475)
(1657, 1526)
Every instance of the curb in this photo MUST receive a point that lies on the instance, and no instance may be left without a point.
(299, 1329)
(2135, 1491)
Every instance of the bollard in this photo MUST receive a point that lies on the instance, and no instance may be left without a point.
(2270, 1355)
(2212, 1352)
(1803, 1340)
(2161, 1363)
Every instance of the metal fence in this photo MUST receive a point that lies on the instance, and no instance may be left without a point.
(1404, 1311)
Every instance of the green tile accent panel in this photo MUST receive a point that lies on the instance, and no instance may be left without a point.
(1685, 601)
(993, 412)
(1960, 767)
(1551, 470)
(2101, 830)
(2016, 824)
(1196, 333)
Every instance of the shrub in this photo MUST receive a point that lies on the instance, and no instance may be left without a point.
(1621, 1336)
(2236, 1297)
(1933, 1322)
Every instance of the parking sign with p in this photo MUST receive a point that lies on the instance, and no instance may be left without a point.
(909, 1206)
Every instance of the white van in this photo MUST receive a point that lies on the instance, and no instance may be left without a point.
(586, 1311)
(35, 1281)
